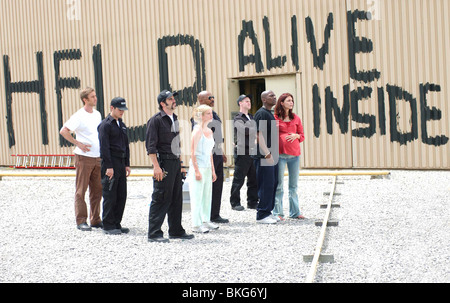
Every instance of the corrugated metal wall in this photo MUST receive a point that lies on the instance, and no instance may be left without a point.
(372, 92)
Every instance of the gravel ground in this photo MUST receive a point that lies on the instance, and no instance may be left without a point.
(393, 229)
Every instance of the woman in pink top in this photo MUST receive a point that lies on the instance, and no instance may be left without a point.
(290, 136)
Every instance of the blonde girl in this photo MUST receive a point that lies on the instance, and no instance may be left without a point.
(201, 170)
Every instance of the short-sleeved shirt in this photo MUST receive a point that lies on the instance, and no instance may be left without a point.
(85, 124)
(290, 127)
(113, 138)
(162, 136)
(264, 123)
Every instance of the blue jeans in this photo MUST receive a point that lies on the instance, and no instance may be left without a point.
(293, 164)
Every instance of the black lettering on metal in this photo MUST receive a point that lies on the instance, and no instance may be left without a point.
(319, 59)
(397, 93)
(428, 114)
(271, 62)
(249, 31)
(316, 110)
(98, 74)
(37, 86)
(358, 45)
(381, 111)
(62, 83)
(187, 95)
(340, 115)
(357, 95)
(294, 47)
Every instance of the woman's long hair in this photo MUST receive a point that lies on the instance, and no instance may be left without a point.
(279, 109)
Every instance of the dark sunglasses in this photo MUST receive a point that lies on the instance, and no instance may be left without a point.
(211, 97)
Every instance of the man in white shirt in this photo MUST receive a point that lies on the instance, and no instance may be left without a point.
(84, 124)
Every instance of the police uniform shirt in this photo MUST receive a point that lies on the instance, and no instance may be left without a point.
(113, 140)
(161, 133)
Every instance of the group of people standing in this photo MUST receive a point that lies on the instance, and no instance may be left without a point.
(264, 145)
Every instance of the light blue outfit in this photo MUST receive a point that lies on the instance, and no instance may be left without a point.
(200, 191)
(293, 164)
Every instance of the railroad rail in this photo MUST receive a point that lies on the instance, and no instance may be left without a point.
(318, 257)
(318, 250)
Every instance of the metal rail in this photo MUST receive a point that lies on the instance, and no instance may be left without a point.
(319, 245)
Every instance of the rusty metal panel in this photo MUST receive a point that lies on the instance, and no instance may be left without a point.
(371, 75)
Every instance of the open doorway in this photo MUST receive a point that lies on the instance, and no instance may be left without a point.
(279, 84)
(253, 87)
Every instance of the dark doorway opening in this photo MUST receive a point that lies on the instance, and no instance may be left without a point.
(253, 87)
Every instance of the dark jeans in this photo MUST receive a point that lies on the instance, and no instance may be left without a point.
(114, 200)
(267, 177)
(217, 187)
(244, 167)
(167, 198)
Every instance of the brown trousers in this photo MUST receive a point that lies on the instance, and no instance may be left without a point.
(88, 173)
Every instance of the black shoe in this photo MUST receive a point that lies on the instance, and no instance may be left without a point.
(112, 231)
(99, 225)
(84, 227)
(158, 240)
(124, 230)
(184, 236)
(238, 207)
(219, 219)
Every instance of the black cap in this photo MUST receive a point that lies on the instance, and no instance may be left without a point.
(242, 97)
(120, 103)
(165, 94)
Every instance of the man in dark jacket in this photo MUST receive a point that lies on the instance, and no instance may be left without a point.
(115, 166)
(245, 146)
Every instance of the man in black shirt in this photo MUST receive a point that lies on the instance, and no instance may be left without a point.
(245, 146)
(115, 166)
(163, 146)
(266, 159)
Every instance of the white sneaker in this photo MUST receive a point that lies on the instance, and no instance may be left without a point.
(278, 219)
(210, 225)
(200, 229)
(267, 220)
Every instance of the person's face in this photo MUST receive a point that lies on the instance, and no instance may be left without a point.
(207, 116)
(246, 104)
(116, 113)
(288, 103)
(170, 103)
(91, 99)
(271, 98)
(210, 100)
